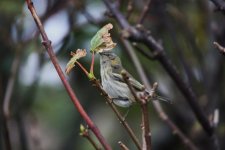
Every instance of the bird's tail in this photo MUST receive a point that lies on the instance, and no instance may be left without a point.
(164, 99)
(157, 97)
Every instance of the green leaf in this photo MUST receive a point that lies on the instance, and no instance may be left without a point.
(102, 40)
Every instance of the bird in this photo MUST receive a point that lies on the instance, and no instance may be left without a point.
(113, 83)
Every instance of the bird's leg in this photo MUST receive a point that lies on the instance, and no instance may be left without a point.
(122, 99)
(125, 115)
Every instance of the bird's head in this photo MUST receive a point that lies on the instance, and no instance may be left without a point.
(109, 58)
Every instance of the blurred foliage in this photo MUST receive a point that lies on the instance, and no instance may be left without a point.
(41, 113)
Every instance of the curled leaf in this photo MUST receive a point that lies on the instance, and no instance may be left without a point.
(102, 40)
(75, 56)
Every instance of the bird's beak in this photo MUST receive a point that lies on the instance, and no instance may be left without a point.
(101, 53)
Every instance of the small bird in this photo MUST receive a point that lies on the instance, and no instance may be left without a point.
(113, 83)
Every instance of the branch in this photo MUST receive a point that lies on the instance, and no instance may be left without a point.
(10, 85)
(92, 63)
(144, 12)
(145, 117)
(220, 5)
(156, 104)
(47, 44)
(123, 146)
(109, 100)
(7, 98)
(84, 132)
(115, 110)
(143, 52)
(129, 8)
(156, 47)
(220, 48)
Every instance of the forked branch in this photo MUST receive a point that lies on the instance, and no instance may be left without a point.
(138, 36)
(47, 44)
(98, 85)
(143, 101)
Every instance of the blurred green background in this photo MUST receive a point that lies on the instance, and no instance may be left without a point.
(41, 115)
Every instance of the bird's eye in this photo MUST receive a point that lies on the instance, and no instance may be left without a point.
(104, 62)
(115, 66)
(112, 57)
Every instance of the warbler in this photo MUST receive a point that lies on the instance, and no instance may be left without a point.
(113, 83)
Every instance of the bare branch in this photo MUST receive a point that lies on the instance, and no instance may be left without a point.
(10, 85)
(144, 12)
(47, 43)
(156, 47)
(84, 132)
(7, 98)
(143, 52)
(129, 9)
(220, 4)
(156, 104)
(115, 110)
(219, 47)
(123, 146)
(145, 117)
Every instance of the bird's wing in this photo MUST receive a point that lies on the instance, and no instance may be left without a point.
(136, 85)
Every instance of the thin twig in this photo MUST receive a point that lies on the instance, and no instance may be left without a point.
(7, 98)
(156, 104)
(109, 101)
(84, 132)
(219, 47)
(220, 4)
(123, 146)
(47, 44)
(5, 134)
(143, 52)
(10, 85)
(144, 12)
(157, 48)
(115, 110)
(145, 117)
(82, 68)
(92, 63)
(129, 9)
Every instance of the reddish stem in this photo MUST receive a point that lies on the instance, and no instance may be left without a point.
(92, 62)
(47, 44)
(82, 67)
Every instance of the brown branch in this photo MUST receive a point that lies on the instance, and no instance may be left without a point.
(47, 45)
(144, 12)
(7, 98)
(156, 104)
(129, 9)
(115, 110)
(6, 134)
(219, 47)
(145, 117)
(143, 52)
(109, 100)
(10, 85)
(82, 68)
(220, 5)
(92, 63)
(123, 146)
(157, 48)
(84, 132)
